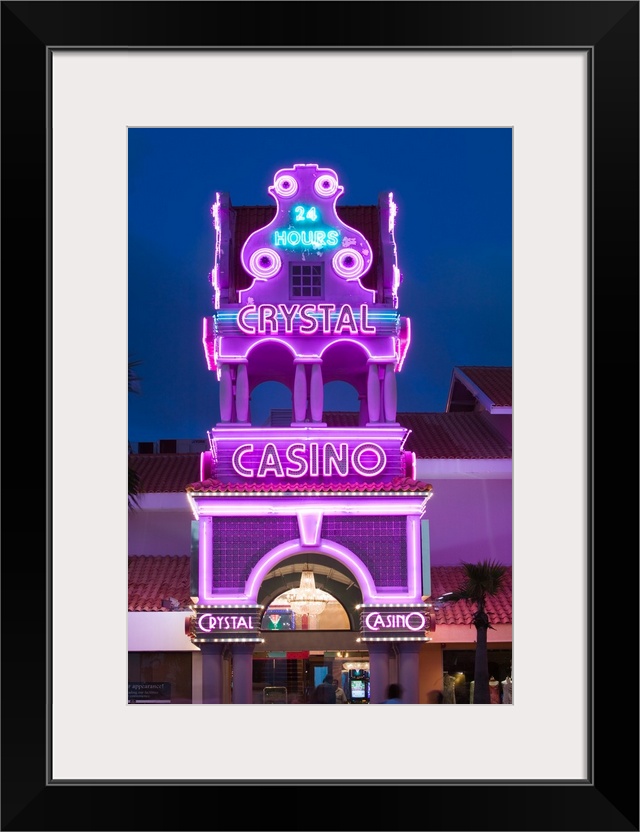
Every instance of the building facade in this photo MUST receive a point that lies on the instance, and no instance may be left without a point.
(311, 539)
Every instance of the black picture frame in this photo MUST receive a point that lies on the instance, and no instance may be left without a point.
(608, 799)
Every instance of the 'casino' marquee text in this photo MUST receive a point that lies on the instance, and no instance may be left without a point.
(315, 459)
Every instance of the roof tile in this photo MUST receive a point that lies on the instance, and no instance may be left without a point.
(442, 435)
(449, 578)
(165, 473)
(398, 484)
(433, 436)
(154, 578)
(495, 382)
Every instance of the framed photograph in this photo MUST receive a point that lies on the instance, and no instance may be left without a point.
(563, 76)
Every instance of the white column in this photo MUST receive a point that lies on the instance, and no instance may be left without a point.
(373, 393)
(364, 412)
(378, 670)
(408, 675)
(316, 393)
(243, 673)
(390, 393)
(300, 393)
(211, 673)
(226, 393)
(242, 393)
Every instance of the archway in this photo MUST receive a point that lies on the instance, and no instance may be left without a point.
(292, 660)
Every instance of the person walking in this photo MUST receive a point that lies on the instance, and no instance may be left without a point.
(325, 692)
(341, 696)
(394, 694)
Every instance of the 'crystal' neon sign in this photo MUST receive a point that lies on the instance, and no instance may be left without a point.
(267, 318)
(209, 623)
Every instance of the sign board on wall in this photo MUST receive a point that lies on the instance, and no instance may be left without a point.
(159, 692)
(382, 623)
(265, 454)
(226, 624)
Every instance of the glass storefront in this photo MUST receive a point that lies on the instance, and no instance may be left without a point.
(459, 668)
(161, 677)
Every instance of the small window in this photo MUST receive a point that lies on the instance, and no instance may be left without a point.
(306, 281)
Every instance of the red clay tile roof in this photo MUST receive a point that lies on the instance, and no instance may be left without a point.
(398, 484)
(248, 218)
(152, 579)
(443, 435)
(495, 382)
(449, 578)
(454, 436)
(165, 473)
(433, 436)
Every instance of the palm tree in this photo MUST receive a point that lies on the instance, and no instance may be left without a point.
(481, 580)
(135, 485)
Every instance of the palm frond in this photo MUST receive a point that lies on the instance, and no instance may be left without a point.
(134, 378)
(135, 487)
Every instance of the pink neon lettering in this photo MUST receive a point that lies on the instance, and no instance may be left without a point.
(313, 459)
(268, 323)
(267, 314)
(326, 309)
(396, 621)
(332, 459)
(270, 462)
(242, 314)
(365, 329)
(311, 324)
(346, 321)
(288, 313)
(207, 622)
(294, 455)
(324, 458)
(236, 457)
(378, 466)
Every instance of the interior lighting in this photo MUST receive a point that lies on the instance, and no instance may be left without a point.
(307, 599)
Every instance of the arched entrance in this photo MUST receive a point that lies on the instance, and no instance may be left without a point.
(299, 650)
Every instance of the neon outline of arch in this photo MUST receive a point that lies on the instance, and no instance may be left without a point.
(326, 547)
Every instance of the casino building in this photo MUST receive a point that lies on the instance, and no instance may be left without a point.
(309, 537)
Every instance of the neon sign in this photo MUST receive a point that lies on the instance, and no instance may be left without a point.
(266, 319)
(310, 225)
(414, 620)
(315, 459)
(209, 622)
(301, 214)
(306, 238)
(315, 239)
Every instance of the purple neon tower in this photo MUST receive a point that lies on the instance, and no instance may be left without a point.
(304, 294)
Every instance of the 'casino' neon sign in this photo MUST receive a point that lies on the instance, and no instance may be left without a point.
(267, 318)
(313, 459)
(414, 621)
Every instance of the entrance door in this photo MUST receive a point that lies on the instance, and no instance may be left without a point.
(278, 679)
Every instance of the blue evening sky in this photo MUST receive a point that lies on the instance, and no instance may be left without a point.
(453, 189)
